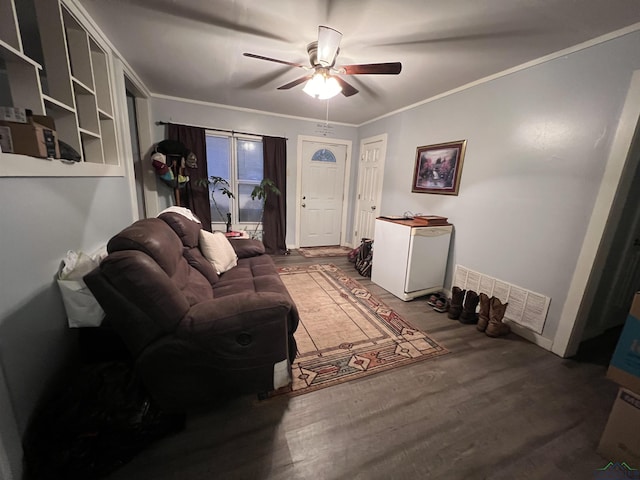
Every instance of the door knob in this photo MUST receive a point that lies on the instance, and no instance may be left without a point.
(373, 207)
(304, 205)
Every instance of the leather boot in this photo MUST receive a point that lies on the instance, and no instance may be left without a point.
(455, 307)
(468, 314)
(496, 328)
(483, 315)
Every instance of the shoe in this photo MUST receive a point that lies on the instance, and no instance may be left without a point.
(434, 298)
(469, 315)
(441, 306)
(483, 314)
(455, 304)
(496, 327)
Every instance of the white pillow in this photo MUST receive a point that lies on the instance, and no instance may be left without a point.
(218, 250)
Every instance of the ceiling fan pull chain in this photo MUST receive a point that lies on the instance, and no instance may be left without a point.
(326, 122)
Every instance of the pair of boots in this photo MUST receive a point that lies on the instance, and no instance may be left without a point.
(489, 319)
(463, 305)
(491, 315)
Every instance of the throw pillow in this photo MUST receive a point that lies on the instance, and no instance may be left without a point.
(218, 250)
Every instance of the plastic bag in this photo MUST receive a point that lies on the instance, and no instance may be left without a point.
(83, 310)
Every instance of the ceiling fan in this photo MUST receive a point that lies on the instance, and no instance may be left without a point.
(323, 81)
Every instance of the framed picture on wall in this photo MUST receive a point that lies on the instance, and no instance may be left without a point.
(438, 168)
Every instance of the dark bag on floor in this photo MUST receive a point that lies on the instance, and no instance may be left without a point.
(95, 423)
(365, 257)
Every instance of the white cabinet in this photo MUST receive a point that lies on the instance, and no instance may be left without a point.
(52, 66)
(409, 258)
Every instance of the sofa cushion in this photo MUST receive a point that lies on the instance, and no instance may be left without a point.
(189, 232)
(247, 247)
(156, 239)
(186, 229)
(216, 248)
(196, 260)
(153, 237)
(141, 280)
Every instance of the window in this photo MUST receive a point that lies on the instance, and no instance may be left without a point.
(238, 160)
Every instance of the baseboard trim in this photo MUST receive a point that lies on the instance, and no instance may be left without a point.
(527, 334)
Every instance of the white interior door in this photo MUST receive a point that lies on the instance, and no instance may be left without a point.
(370, 173)
(321, 193)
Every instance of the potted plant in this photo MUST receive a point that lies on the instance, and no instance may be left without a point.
(260, 192)
(219, 184)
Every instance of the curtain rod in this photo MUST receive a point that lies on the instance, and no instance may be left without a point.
(160, 122)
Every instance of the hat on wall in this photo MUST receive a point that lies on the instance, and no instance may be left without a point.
(173, 148)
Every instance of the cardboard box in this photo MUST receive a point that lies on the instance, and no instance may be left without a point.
(620, 441)
(33, 138)
(624, 368)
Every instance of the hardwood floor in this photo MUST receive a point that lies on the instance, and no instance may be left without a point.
(491, 409)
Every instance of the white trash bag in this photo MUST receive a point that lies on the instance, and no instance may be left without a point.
(83, 310)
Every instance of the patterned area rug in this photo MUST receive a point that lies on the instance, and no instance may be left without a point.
(345, 332)
(316, 252)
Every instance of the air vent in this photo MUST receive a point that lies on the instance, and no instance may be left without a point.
(525, 308)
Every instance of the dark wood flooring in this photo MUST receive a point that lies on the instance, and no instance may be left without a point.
(491, 409)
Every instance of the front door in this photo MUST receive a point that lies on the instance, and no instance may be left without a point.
(370, 174)
(321, 193)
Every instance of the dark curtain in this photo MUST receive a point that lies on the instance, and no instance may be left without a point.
(195, 197)
(274, 221)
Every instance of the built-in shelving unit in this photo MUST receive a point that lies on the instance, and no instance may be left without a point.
(54, 67)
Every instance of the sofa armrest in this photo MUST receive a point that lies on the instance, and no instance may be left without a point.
(238, 318)
(247, 247)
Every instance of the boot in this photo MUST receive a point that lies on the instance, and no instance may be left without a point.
(455, 306)
(469, 309)
(496, 328)
(483, 315)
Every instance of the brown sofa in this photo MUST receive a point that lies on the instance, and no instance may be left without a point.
(195, 335)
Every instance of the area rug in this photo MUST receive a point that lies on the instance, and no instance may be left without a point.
(345, 332)
(317, 252)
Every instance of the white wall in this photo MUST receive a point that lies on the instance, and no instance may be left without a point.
(41, 219)
(196, 113)
(538, 141)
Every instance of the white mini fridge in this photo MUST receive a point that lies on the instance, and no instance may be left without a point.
(409, 258)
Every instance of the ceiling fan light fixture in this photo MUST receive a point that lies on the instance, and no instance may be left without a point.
(328, 44)
(322, 87)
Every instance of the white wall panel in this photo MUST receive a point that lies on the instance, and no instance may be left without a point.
(538, 141)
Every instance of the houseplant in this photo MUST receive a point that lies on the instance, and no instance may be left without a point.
(219, 184)
(260, 192)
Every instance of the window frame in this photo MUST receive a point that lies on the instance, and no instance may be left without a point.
(234, 181)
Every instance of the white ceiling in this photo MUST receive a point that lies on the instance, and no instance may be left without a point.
(193, 48)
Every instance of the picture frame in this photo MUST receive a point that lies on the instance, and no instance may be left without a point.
(438, 168)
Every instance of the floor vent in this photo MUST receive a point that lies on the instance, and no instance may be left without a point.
(525, 308)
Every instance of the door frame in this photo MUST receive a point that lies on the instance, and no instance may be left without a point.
(345, 188)
(383, 137)
(121, 75)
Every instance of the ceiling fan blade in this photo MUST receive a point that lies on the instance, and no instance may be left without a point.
(328, 45)
(391, 68)
(347, 89)
(294, 83)
(269, 59)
